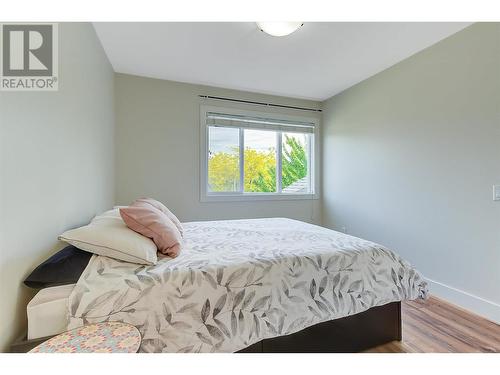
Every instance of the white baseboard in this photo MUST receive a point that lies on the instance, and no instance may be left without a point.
(480, 306)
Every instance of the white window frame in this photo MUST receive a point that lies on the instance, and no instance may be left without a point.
(207, 196)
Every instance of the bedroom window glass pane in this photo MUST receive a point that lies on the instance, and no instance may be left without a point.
(295, 163)
(260, 161)
(223, 159)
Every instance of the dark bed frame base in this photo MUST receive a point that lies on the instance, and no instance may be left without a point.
(355, 333)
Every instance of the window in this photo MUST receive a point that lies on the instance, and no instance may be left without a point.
(249, 155)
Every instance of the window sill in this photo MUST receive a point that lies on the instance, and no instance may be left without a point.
(249, 197)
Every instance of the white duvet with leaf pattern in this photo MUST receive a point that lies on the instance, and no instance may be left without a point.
(237, 282)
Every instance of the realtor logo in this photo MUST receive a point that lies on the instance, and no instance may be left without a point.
(29, 57)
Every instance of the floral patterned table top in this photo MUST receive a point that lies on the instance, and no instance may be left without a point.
(108, 337)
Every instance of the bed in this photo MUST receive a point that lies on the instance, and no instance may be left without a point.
(265, 285)
(253, 285)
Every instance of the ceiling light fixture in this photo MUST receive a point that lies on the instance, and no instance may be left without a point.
(279, 28)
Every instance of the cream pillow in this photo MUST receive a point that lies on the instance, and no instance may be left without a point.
(108, 235)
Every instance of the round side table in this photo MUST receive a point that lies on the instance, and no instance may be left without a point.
(108, 337)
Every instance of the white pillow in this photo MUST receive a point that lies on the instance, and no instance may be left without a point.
(108, 235)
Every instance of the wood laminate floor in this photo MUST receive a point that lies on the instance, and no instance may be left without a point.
(436, 326)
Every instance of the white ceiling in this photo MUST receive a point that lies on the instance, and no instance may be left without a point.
(317, 61)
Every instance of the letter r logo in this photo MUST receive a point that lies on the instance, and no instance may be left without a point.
(27, 50)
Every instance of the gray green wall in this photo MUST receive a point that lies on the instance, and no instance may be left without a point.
(56, 165)
(409, 159)
(158, 149)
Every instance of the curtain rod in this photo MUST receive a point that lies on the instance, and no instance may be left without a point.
(260, 103)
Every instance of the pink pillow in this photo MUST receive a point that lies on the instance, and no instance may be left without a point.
(150, 202)
(154, 224)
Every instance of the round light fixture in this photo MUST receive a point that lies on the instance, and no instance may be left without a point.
(279, 28)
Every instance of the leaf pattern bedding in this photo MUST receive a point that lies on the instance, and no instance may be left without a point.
(237, 282)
